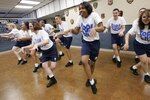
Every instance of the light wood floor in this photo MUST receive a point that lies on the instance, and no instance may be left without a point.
(18, 82)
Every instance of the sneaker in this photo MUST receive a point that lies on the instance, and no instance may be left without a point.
(114, 60)
(61, 54)
(23, 62)
(80, 63)
(51, 82)
(147, 78)
(48, 78)
(19, 61)
(69, 64)
(137, 60)
(35, 69)
(59, 57)
(118, 64)
(94, 89)
(87, 84)
(40, 65)
(134, 71)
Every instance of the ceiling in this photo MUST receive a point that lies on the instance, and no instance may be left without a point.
(8, 10)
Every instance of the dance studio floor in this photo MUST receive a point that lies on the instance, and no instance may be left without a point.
(18, 82)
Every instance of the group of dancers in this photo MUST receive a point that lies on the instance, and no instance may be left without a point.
(39, 40)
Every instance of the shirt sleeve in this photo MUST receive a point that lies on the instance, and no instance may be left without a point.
(65, 26)
(97, 18)
(44, 35)
(14, 31)
(50, 26)
(32, 41)
(78, 21)
(133, 30)
(123, 21)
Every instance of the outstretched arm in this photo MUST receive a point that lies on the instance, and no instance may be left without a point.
(126, 45)
(40, 44)
(75, 30)
(7, 35)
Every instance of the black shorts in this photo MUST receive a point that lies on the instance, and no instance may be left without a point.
(91, 49)
(116, 39)
(22, 43)
(141, 49)
(66, 41)
(50, 55)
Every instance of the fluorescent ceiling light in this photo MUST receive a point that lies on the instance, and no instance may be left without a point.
(29, 2)
(23, 7)
(88, 0)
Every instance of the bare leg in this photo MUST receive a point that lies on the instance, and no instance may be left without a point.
(15, 50)
(86, 66)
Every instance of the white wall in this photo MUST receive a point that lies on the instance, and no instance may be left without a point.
(130, 10)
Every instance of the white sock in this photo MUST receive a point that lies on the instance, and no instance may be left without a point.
(92, 81)
(136, 57)
(70, 61)
(118, 58)
(60, 52)
(134, 67)
(147, 74)
(36, 64)
(19, 58)
(114, 56)
(50, 76)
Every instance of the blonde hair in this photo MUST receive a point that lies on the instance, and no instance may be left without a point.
(11, 25)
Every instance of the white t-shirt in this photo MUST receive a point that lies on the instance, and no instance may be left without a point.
(135, 22)
(86, 24)
(63, 27)
(15, 33)
(41, 36)
(124, 21)
(142, 36)
(30, 33)
(24, 34)
(48, 28)
(115, 25)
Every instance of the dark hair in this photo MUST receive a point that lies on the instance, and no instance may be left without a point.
(26, 24)
(58, 16)
(116, 9)
(43, 21)
(140, 23)
(36, 25)
(121, 13)
(87, 6)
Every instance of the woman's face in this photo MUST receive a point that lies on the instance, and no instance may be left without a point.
(31, 27)
(23, 26)
(146, 18)
(82, 11)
